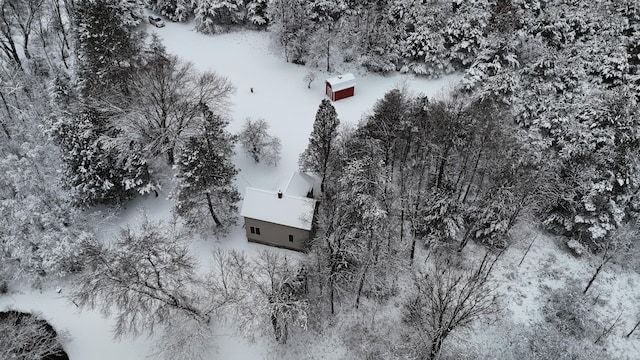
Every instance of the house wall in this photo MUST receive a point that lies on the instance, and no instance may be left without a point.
(327, 89)
(276, 235)
(343, 93)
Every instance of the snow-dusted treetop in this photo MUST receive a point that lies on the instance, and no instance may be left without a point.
(342, 82)
(289, 210)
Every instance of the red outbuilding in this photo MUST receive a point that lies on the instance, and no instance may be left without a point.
(340, 87)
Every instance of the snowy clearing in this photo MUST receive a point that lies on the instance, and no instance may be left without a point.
(282, 98)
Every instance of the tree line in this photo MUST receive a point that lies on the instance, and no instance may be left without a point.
(544, 128)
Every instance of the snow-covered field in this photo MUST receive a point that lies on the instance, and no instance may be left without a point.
(282, 98)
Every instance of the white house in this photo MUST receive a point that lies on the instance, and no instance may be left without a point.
(281, 218)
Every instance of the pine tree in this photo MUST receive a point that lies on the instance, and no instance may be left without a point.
(205, 194)
(211, 14)
(319, 152)
(99, 168)
(107, 47)
(257, 12)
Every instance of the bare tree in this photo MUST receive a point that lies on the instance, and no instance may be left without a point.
(23, 13)
(166, 101)
(447, 299)
(7, 43)
(265, 294)
(258, 143)
(184, 338)
(618, 242)
(26, 337)
(146, 276)
(309, 77)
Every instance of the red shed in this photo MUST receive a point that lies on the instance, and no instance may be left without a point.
(340, 87)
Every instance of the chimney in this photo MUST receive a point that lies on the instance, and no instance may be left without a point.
(279, 194)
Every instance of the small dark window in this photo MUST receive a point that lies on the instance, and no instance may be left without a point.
(257, 231)
(291, 238)
(253, 230)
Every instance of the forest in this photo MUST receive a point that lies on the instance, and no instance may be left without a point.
(428, 203)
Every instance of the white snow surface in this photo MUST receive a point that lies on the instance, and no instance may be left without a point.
(281, 97)
(288, 210)
(300, 184)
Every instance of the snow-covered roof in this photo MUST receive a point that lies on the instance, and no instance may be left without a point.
(342, 82)
(290, 210)
(300, 184)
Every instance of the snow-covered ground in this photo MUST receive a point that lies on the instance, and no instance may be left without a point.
(281, 97)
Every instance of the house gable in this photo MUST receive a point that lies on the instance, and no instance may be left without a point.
(282, 219)
(276, 235)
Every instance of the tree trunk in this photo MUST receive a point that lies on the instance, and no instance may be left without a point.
(12, 52)
(465, 239)
(360, 286)
(441, 168)
(593, 278)
(413, 250)
(417, 208)
(462, 171)
(211, 211)
(331, 296)
(328, 46)
(473, 175)
(25, 49)
(527, 251)
(634, 328)
(436, 346)
(6, 106)
(402, 224)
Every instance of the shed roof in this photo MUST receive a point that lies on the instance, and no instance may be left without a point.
(292, 211)
(342, 82)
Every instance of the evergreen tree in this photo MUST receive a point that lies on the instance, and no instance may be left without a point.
(99, 169)
(175, 10)
(108, 48)
(205, 188)
(211, 14)
(257, 12)
(320, 150)
(377, 48)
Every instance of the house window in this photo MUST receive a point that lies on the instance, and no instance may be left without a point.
(290, 238)
(253, 230)
(257, 231)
